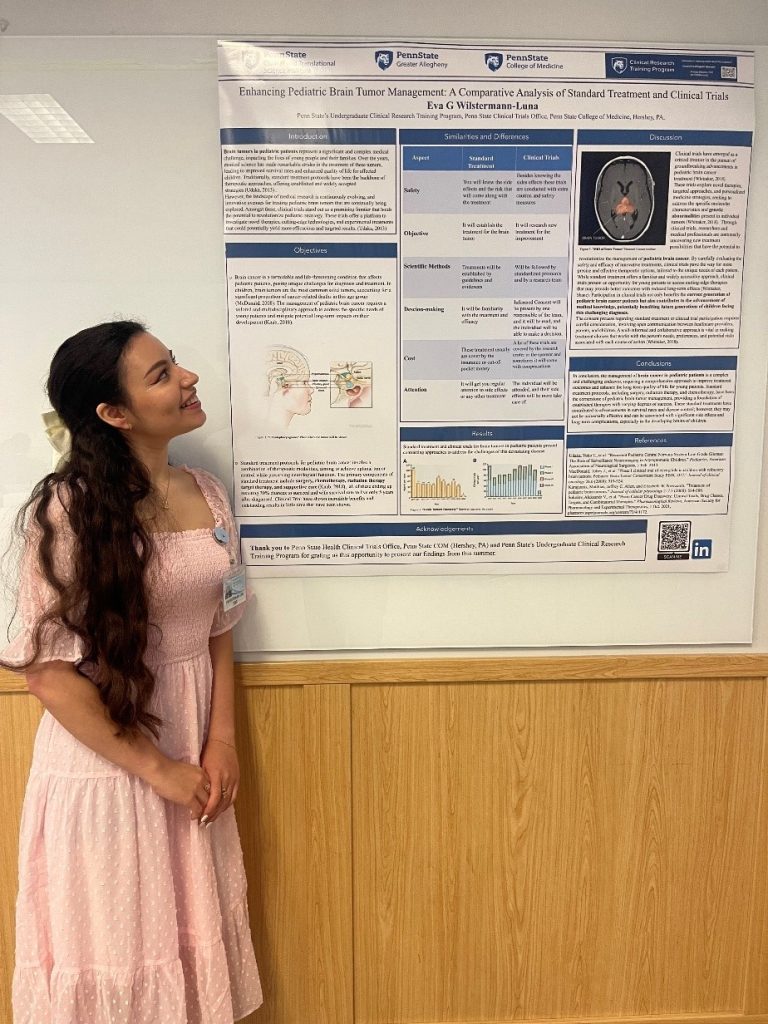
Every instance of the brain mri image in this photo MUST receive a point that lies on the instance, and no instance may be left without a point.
(624, 198)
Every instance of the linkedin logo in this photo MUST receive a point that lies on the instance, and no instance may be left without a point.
(701, 548)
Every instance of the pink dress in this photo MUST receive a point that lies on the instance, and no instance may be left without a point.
(128, 912)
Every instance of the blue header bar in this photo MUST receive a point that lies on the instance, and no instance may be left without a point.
(592, 136)
(427, 530)
(307, 136)
(649, 441)
(643, 364)
(531, 433)
(543, 158)
(310, 250)
(487, 158)
(681, 67)
(433, 158)
(480, 137)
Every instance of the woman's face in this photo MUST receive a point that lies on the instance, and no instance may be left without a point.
(161, 401)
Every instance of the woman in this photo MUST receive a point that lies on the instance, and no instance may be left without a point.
(132, 903)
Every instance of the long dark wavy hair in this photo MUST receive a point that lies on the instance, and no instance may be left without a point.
(100, 595)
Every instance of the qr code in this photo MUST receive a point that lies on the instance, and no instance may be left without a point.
(728, 72)
(674, 536)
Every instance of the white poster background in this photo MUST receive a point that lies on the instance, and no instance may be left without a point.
(444, 355)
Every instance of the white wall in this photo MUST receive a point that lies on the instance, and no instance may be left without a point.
(736, 24)
(695, 21)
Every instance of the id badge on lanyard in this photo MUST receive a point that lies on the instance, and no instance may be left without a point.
(233, 588)
(233, 591)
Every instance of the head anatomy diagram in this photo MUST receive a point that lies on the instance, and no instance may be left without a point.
(288, 390)
(353, 385)
(624, 200)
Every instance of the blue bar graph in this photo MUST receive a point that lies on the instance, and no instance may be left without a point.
(512, 482)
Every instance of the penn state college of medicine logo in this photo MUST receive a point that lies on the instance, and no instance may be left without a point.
(619, 65)
(250, 58)
(384, 59)
(493, 61)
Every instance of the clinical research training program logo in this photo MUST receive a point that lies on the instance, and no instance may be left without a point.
(619, 65)
(384, 59)
(493, 61)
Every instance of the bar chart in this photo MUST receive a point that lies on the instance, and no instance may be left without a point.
(435, 486)
(519, 481)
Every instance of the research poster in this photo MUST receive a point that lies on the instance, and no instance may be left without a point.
(484, 304)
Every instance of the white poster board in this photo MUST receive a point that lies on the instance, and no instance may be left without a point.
(132, 226)
(484, 304)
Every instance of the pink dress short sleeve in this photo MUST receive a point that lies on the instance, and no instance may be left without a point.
(36, 596)
(127, 910)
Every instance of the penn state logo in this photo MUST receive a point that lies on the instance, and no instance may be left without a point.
(384, 59)
(251, 60)
(619, 65)
(493, 61)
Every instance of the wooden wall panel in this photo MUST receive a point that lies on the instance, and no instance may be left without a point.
(19, 715)
(327, 886)
(272, 819)
(554, 850)
(756, 989)
(476, 840)
(293, 812)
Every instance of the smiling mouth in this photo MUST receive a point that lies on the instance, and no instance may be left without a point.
(192, 400)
